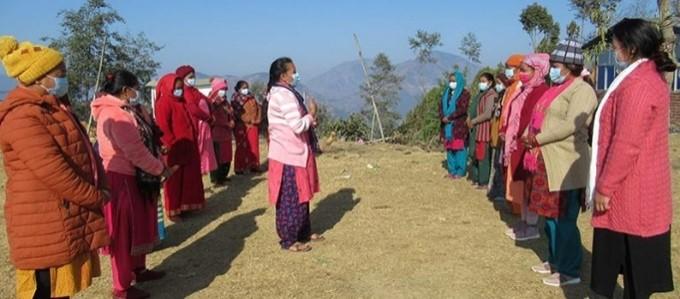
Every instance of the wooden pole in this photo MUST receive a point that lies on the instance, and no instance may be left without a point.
(370, 88)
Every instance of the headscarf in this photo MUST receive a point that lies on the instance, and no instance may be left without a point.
(166, 86)
(511, 90)
(449, 102)
(541, 64)
(184, 70)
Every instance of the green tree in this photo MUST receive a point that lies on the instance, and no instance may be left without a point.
(421, 125)
(85, 32)
(471, 48)
(600, 13)
(667, 21)
(573, 30)
(543, 31)
(423, 44)
(384, 85)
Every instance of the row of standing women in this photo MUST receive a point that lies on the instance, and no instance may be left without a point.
(536, 138)
(104, 198)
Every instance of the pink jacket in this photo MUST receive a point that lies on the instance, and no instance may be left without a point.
(120, 145)
(633, 160)
(287, 143)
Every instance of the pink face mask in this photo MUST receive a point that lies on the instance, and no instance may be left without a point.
(524, 77)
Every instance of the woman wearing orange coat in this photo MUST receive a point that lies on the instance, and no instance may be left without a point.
(55, 188)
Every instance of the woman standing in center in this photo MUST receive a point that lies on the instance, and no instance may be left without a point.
(453, 110)
(293, 177)
(532, 74)
(131, 213)
(221, 130)
(558, 157)
(248, 115)
(183, 191)
(481, 159)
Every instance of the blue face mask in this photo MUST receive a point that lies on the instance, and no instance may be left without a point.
(509, 73)
(556, 75)
(499, 87)
(483, 86)
(60, 88)
(296, 79)
(622, 64)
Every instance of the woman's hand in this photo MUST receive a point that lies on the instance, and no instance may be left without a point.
(168, 172)
(312, 107)
(445, 120)
(601, 202)
(164, 150)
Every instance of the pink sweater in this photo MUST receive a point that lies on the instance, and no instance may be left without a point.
(633, 161)
(120, 144)
(287, 143)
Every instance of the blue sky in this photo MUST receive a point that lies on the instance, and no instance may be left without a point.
(242, 37)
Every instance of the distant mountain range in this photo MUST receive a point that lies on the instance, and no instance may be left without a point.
(338, 87)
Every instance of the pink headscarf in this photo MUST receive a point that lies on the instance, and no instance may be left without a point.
(540, 62)
(218, 83)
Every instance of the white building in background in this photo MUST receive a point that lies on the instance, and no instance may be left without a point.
(203, 86)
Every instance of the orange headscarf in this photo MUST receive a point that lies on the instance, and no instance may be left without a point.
(512, 91)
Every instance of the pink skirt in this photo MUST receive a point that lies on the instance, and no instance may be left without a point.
(128, 206)
(306, 179)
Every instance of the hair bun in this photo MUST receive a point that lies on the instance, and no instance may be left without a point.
(663, 62)
(8, 44)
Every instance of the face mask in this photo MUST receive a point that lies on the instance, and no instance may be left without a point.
(134, 99)
(556, 75)
(620, 63)
(499, 87)
(509, 73)
(296, 79)
(191, 81)
(222, 93)
(179, 92)
(483, 86)
(453, 85)
(524, 77)
(60, 88)
(244, 91)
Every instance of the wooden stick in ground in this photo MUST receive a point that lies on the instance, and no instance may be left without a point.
(368, 84)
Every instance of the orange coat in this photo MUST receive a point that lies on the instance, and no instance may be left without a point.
(53, 207)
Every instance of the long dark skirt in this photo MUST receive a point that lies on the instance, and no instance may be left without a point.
(292, 217)
(644, 262)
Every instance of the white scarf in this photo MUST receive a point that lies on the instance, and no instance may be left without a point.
(592, 173)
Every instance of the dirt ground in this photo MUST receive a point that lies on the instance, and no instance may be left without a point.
(395, 228)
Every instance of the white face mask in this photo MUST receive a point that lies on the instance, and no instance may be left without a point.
(483, 86)
(244, 91)
(191, 81)
(178, 92)
(509, 73)
(499, 87)
(221, 93)
(453, 85)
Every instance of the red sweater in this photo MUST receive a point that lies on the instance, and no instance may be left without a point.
(633, 160)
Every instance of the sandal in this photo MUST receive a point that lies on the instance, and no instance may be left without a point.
(299, 247)
(317, 238)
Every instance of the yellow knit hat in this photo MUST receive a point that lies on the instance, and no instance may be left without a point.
(27, 62)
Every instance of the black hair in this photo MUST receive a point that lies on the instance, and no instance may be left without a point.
(574, 69)
(489, 77)
(239, 85)
(278, 68)
(643, 40)
(116, 81)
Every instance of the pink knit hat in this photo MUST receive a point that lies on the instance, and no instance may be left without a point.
(219, 83)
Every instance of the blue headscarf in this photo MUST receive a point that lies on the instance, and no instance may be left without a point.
(449, 103)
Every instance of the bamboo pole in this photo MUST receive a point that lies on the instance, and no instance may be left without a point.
(96, 84)
(370, 88)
